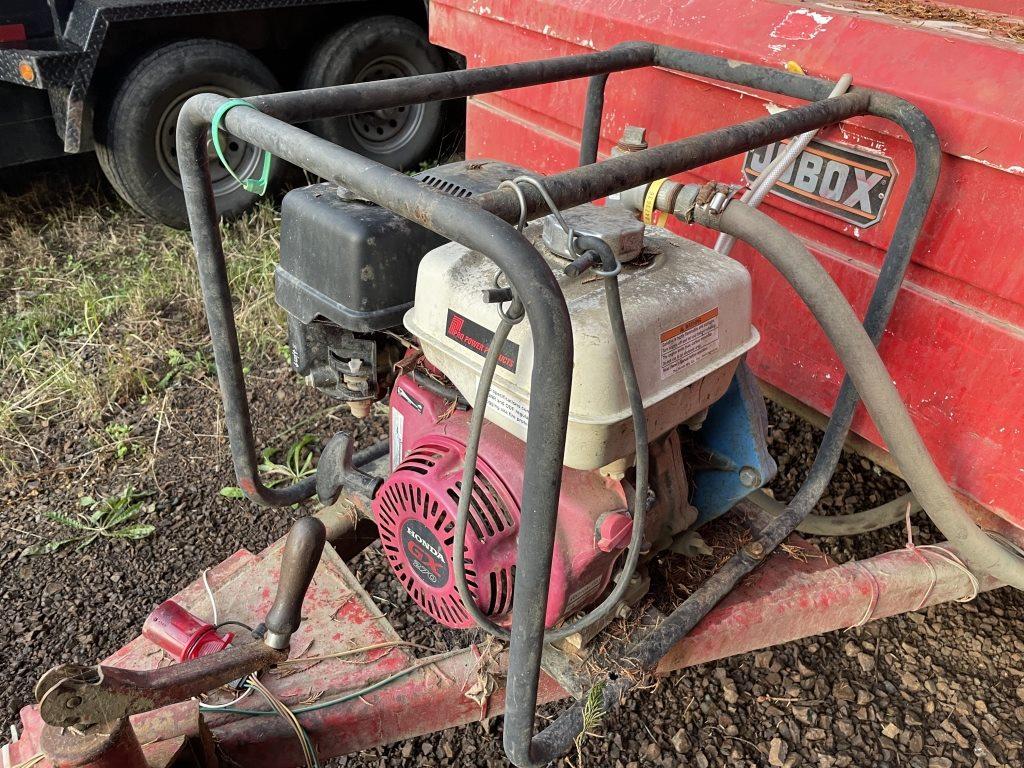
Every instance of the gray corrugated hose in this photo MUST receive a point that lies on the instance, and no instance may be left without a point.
(868, 373)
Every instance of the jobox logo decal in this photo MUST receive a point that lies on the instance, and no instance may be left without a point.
(475, 337)
(846, 183)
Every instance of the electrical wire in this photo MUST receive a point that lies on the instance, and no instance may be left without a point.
(209, 594)
(308, 749)
(354, 652)
(217, 626)
(248, 689)
(347, 696)
(239, 624)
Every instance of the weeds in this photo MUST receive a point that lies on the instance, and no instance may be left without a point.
(99, 308)
(593, 715)
(297, 464)
(121, 439)
(180, 364)
(116, 517)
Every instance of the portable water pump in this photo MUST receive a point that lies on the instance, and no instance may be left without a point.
(686, 311)
(566, 400)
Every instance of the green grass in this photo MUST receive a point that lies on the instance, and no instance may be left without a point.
(296, 464)
(100, 308)
(593, 715)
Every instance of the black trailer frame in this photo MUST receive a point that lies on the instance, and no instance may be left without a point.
(65, 65)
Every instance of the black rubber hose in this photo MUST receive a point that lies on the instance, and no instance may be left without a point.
(590, 137)
(476, 426)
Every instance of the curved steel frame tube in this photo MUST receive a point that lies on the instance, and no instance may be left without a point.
(482, 224)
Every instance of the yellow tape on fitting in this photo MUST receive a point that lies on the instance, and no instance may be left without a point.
(648, 215)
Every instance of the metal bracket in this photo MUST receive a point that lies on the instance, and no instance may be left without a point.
(78, 696)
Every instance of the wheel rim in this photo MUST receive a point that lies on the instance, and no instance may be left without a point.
(386, 130)
(243, 158)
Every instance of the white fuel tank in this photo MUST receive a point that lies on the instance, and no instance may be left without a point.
(687, 312)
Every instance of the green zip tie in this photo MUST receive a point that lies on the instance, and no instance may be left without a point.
(256, 186)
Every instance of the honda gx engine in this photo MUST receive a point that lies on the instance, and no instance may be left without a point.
(380, 308)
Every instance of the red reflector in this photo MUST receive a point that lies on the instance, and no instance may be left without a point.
(11, 32)
(182, 635)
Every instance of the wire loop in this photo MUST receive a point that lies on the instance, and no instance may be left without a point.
(609, 273)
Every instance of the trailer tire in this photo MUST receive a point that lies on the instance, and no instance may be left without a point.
(135, 134)
(377, 48)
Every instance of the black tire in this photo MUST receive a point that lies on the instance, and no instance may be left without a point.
(135, 135)
(378, 48)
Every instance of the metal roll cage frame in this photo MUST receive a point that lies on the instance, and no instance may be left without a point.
(486, 224)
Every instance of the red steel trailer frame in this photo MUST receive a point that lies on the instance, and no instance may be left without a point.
(796, 593)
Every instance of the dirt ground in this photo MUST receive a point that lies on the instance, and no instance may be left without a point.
(109, 385)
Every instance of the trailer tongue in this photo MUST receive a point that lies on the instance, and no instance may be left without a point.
(567, 398)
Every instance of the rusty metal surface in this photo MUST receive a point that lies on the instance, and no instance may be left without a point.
(431, 699)
(87, 697)
(798, 593)
(795, 593)
(112, 745)
(73, 695)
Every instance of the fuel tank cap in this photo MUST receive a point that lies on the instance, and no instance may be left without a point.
(611, 223)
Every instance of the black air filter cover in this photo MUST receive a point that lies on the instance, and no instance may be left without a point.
(353, 263)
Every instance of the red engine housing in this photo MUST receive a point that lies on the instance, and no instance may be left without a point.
(416, 508)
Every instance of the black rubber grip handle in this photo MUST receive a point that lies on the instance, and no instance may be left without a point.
(301, 556)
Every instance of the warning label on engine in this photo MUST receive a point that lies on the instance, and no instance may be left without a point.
(397, 435)
(689, 342)
(510, 408)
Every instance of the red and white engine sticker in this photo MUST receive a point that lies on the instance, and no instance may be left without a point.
(684, 344)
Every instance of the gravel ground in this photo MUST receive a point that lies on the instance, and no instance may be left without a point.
(933, 689)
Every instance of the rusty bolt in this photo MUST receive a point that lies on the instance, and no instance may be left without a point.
(755, 549)
(750, 477)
